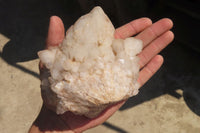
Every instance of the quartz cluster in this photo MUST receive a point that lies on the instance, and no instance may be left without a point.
(90, 69)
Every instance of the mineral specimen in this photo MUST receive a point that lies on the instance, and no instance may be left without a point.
(90, 69)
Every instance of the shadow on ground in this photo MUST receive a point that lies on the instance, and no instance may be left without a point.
(25, 23)
(180, 71)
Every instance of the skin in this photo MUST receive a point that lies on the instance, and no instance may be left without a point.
(155, 37)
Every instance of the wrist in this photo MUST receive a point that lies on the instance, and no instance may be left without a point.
(49, 121)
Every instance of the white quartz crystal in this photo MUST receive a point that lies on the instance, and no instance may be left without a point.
(90, 69)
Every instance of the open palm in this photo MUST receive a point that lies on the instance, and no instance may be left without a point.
(155, 37)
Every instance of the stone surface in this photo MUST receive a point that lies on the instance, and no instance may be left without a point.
(20, 99)
(165, 114)
(90, 69)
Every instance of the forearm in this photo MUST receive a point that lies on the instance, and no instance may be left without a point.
(34, 129)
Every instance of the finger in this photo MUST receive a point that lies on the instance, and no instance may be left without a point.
(56, 32)
(150, 69)
(132, 28)
(155, 31)
(155, 47)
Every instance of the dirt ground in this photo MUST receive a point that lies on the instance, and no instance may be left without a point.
(168, 103)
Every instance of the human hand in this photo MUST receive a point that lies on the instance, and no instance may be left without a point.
(155, 37)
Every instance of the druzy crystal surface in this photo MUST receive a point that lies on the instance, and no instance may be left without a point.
(90, 69)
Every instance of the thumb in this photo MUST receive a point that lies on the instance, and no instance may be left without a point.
(56, 32)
